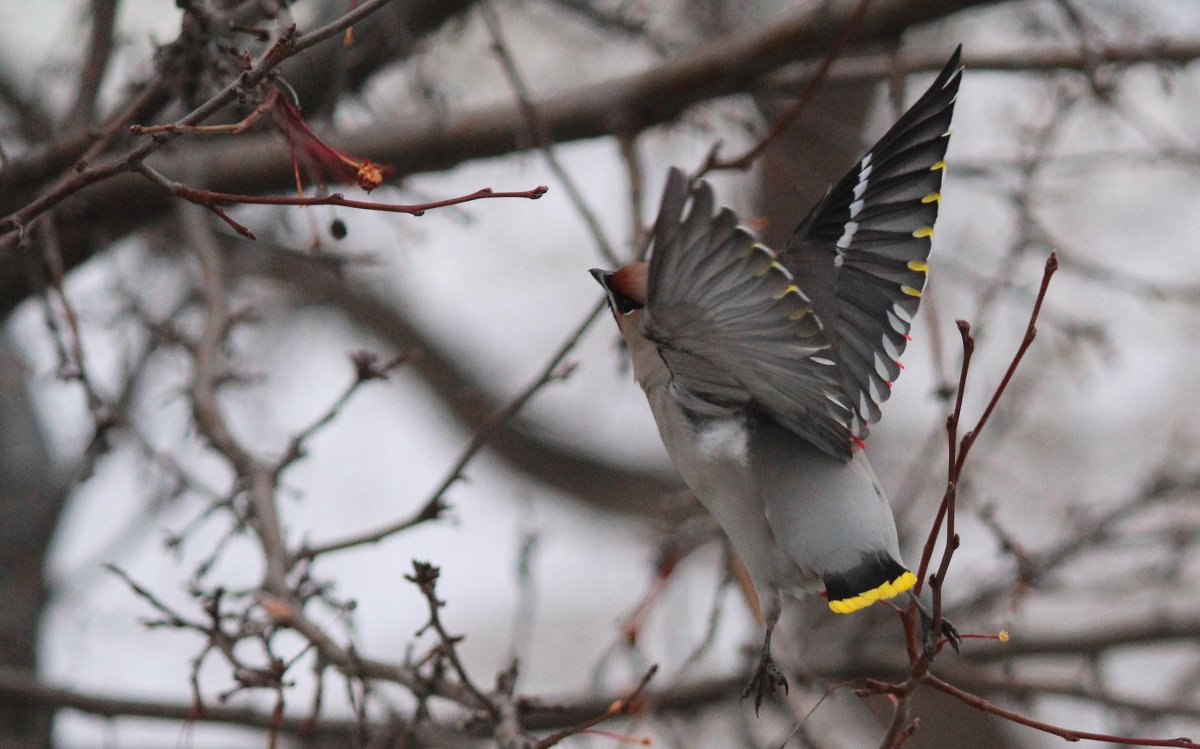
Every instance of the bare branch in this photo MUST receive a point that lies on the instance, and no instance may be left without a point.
(435, 504)
(713, 162)
(100, 46)
(287, 44)
(258, 478)
(1068, 734)
(541, 137)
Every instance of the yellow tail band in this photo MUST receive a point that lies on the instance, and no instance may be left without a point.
(866, 598)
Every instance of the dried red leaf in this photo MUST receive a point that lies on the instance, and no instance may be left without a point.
(323, 161)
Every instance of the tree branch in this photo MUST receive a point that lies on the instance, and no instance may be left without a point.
(257, 164)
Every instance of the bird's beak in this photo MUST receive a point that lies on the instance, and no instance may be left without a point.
(601, 276)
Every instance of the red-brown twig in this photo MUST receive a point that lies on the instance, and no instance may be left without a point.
(286, 45)
(627, 704)
(1068, 734)
(901, 727)
(214, 200)
(957, 462)
(958, 455)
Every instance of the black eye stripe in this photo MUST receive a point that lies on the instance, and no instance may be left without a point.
(624, 304)
(621, 303)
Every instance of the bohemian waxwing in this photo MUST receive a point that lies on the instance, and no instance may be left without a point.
(764, 370)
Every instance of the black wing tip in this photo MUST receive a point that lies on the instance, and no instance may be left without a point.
(951, 73)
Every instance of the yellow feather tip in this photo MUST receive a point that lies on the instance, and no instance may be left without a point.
(911, 291)
(919, 266)
(933, 197)
(924, 231)
(865, 599)
(937, 165)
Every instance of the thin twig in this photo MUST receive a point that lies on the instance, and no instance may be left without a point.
(901, 726)
(257, 477)
(541, 136)
(425, 577)
(233, 128)
(286, 45)
(1068, 734)
(435, 504)
(100, 46)
(629, 703)
(367, 367)
(958, 457)
(713, 162)
(213, 200)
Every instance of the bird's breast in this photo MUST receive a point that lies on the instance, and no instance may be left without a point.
(708, 451)
(722, 440)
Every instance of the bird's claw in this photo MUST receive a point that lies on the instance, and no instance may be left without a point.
(929, 640)
(950, 632)
(766, 680)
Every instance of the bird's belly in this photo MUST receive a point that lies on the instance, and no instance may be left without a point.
(712, 457)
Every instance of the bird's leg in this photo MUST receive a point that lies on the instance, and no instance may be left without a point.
(928, 638)
(767, 677)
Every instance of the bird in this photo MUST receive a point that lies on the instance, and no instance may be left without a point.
(764, 370)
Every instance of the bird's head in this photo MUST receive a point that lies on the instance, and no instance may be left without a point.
(626, 289)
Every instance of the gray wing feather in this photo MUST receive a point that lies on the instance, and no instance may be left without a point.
(733, 327)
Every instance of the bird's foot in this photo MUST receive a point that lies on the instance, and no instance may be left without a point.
(930, 639)
(766, 680)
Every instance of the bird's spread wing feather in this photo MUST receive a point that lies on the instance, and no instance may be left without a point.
(861, 253)
(812, 338)
(734, 328)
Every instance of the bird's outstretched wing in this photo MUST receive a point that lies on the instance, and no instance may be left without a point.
(861, 254)
(734, 328)
(811, 337)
